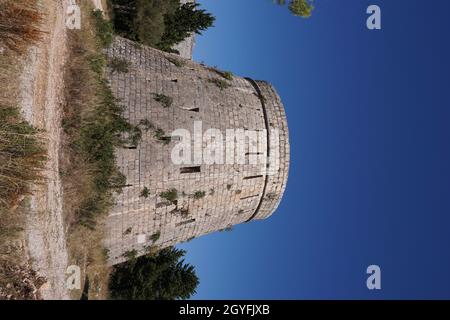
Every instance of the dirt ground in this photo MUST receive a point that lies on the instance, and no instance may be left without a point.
(41, 99)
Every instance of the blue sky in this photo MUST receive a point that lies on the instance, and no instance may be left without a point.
(369, 183)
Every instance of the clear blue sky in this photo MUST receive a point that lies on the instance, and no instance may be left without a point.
(369, 115)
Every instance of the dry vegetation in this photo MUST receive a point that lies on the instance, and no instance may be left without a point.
(19, 24)
(22, 152)
(21, 156)
(93, 128)
(78, 171)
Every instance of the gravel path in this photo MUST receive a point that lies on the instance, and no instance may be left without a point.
(42, 96)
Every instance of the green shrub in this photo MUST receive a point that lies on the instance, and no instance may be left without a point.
(199, 194)
(221, 84)
(160, 135)
(170, 195)
(119, 65)
(228, 75)
(145, 192)
(146, 124)
(130, 254)
(105, 253)
(93, 121)
(104, 28)
(155, 237)
(166, 101)
(227, 229)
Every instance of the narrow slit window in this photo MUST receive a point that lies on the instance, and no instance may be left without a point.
(182, 223)
(194, 110)
(253, 177)
(249, 197)
(190, 170)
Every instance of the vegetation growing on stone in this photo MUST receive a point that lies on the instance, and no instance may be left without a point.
(170, 195)
(220, 83)
(119, 65)
(166, 101)
(130, 254)
(160, 135)
(93, 128)
(145, 192)
(155, 237)
(93, 121)
(199, 194)
(227, 75)
(227, 229)
(146, 124)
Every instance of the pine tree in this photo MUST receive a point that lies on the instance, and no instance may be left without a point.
(163, 277)
(187, 19)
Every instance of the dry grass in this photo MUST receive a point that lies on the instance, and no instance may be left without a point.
(22, 156)
(22, 153)
(93, 127)
(19, 24)
(17, 279)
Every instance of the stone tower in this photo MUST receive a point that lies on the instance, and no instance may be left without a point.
(164, 203)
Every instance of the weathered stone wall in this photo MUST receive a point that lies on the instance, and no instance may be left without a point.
(234, 193)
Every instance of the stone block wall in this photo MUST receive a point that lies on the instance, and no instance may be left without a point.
(230, 193)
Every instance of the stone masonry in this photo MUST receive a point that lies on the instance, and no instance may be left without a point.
(227, 194)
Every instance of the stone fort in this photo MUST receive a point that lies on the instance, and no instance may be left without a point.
(162, 203)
